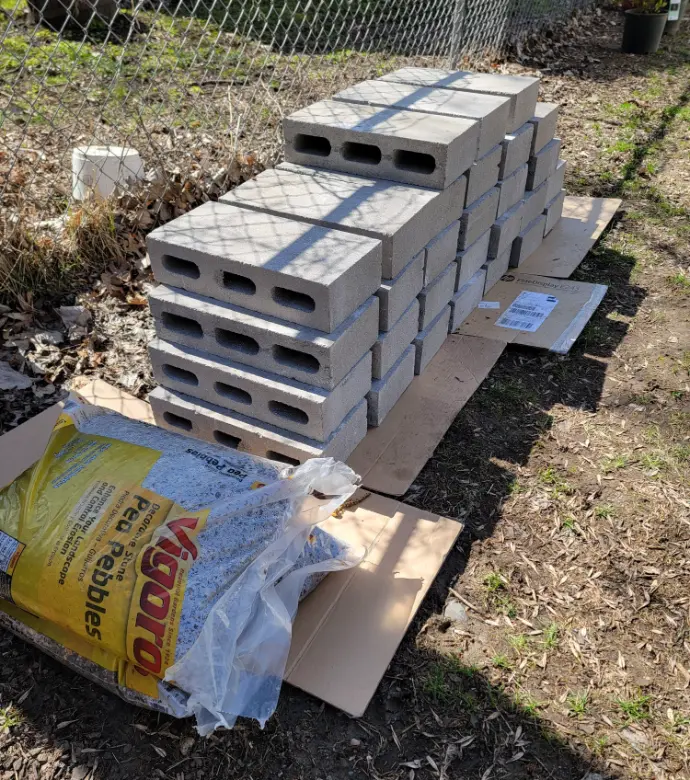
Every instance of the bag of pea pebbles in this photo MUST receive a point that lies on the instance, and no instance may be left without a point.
(166, 569)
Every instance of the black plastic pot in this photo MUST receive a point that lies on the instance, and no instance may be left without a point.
(642, 32)
(673, 26)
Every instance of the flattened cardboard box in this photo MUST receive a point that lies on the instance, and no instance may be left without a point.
(565, 247)
(347, 631)
(536, 311)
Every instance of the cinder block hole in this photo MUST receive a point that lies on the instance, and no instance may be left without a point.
(227, 439)
(183, 325)
(361, 153)
(232, 393)
(288, 412)
(293, 299)
(176, 265)
(237, 283)
(295, 359)
(177, 421)
(273, 455)
(312, 144)
(237, 341)
(415, 162)
(178, 374)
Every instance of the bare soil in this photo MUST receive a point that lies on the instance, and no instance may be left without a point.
(555, 642)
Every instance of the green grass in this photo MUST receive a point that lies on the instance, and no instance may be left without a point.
(443, 680)
(653, 461)
(9, 717)
(568, 524)
(494, 582)
(636, 708)
(501, 661)
(519, 642)
(614, 463)
(680, 281)
(551, 636)
(577, 703)
(527, 703)
(605, 511)
(559, 486)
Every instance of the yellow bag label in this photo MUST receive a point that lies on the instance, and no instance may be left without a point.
(99, 562)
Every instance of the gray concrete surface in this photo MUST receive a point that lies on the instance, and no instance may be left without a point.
(490, 111)
(515, 150)
(535, 202)
(512, 190)
(295, 406)
(273, 345)
(495, 269)
(386, 392)
(555, 183)
(395, 295)
(553, 212)
(390, 345)
(505, 230)
(466, 299)
(470, 260)
(311, 275)
(521, 90)
(183, 414)
(435, 296)
(545, 121)
(400, 145)
(543, 164)
(528, 241)
(483, 175)
(402, 217)
(430, 340)
(477, 218)
(441, 251)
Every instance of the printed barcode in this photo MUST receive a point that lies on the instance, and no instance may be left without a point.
(522, 324)
(527, 312)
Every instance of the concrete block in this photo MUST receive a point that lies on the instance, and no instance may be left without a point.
(496, 268)
(384, 393)
(310, 411)
(553, 212)
(441, 251)
(512, 190)
(435, 296)
(384, 143)
(267, 343)
(477, 218)
(396, 295)
(535, 203)
(490, 111)
(389, 346)
(555, 183)
(543, 164)
(402, 217)
(466, 299)
(528, 241)
(521, 90)
(483, 175)
(515, 150)
(472, 259)
(505, 230)
(301, 273)
(545, 120)
(430, 340)
(183, 414)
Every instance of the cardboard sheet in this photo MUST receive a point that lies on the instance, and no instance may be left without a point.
(347, 631)
(536, 311)
(583, 221)
(391, 456)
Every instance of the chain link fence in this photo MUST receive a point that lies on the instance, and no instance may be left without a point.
(198, 88)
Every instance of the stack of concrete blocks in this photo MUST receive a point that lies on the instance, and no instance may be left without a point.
(297, 310)
(515, 188)
(264, 331)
